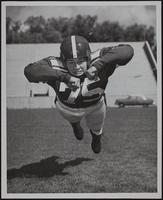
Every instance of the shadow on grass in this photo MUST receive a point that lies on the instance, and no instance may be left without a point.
(45, 168)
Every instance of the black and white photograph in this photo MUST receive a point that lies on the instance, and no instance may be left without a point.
(81, 99)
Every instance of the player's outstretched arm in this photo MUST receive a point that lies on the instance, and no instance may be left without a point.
(118, 55)
(110, 58)
(41, 71)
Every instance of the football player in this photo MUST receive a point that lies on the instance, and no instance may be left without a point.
(79, 78)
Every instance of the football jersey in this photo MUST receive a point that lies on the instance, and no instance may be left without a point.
(89, 92)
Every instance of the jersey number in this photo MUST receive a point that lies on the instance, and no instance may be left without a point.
(73, 95)
(88, 89)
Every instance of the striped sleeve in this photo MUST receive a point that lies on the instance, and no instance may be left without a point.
(46, 70)
(113, 56)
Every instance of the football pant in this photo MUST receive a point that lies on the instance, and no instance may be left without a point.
(94, 115)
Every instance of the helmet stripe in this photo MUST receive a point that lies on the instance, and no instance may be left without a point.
(73, 42)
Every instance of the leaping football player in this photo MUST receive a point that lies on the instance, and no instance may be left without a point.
(79, 78)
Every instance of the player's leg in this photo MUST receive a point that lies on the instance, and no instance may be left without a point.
(73, 117)
(95, 123)
(77, 129)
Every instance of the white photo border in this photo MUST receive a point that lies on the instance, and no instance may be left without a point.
(4, 193)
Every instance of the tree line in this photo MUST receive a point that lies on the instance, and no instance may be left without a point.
(54, 30)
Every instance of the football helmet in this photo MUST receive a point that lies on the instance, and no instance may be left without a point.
(75, 54)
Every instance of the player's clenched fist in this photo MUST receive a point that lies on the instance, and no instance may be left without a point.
(91, 73)
(74, 83)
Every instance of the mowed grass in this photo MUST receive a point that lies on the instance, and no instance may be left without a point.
(43, 156)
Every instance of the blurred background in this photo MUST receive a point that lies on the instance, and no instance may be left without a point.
(35, 32)
(50, 24)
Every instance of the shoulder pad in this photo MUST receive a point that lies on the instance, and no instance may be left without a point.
(56, 63)
(95, 54)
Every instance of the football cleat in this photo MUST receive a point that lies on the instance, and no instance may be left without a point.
(78, 131)
(96, 142)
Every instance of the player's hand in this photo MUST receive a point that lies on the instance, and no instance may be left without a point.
(74, 83)
(91, 73)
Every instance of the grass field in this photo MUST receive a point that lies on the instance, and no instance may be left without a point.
(43, 155)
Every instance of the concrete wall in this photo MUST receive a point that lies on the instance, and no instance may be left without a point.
(136, 78)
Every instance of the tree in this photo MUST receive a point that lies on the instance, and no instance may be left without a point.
(84, 26)
(8, 30)
(51, 35)
(108, 32)
(141, 33)
(36, 24)
(151, 38)
(12, 30)
(135, 32)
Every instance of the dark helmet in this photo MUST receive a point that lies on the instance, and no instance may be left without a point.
(74, 47)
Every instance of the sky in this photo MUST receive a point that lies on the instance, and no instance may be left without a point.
(124, 14)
